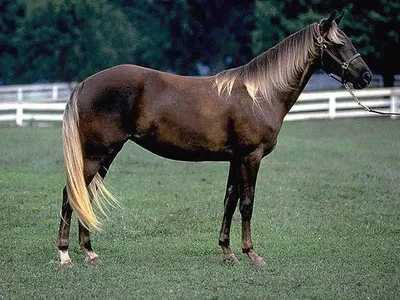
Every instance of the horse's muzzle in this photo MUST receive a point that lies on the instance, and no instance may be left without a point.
(364, 81)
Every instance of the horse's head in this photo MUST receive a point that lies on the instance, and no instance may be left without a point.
(338, 55)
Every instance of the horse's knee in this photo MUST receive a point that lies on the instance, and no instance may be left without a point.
(246, 209)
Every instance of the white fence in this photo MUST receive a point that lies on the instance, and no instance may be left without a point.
(339, 104)
(34, 102)
(22, 112)
(46, 103)
(31, 93)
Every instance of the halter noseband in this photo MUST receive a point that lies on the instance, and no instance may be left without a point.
(344, 64)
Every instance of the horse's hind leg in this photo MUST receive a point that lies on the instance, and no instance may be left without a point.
(84, 234)
(91, 168)
(86, 245)
(63, 233)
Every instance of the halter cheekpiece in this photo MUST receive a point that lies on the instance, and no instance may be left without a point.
(324, 48)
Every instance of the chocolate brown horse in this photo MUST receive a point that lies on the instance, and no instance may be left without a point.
(234, 116)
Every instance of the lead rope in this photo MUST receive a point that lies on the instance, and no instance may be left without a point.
(365, 107)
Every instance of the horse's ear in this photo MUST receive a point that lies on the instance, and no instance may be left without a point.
(326, 24)
(338, 19)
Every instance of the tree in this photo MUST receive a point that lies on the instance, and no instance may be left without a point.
(70, 40)
(181, 35)
(12, 14)
(374, 29)
(277, 19)
(371, 25)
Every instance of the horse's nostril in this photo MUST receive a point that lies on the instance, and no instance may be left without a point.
(367, 76)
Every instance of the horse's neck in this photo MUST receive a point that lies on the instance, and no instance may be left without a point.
(301, 68)
(289, 98)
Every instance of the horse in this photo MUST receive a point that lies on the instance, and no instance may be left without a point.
(234, 116)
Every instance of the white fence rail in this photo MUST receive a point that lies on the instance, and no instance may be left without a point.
(311, 105)
(34, 102)
(339, 104)
(22, 112)
(31, 93)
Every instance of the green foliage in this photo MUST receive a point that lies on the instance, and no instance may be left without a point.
(371, 25)
(276, 19)
(374, 28)
(52, 40)
(326, 220)
(12, 12)
(180, 35)
(70, 40)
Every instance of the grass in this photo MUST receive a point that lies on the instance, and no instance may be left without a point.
(326, 221)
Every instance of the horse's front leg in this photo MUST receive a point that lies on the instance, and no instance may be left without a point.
(248, 176)
(230, 203)
(63, 232)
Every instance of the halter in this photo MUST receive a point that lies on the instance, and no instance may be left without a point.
(345, 66)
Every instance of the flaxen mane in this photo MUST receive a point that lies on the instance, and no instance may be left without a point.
(277, 68)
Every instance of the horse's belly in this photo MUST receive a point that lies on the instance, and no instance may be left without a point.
(184, 145)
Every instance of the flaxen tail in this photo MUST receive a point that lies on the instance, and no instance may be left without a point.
(80, 196)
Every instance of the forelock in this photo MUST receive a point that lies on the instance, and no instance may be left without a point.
(336, 36)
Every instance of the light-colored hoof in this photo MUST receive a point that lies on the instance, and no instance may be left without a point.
(91, 258)
(231, 260)
(67, 263)
(64, 259)
(259, 263)
(256, 260)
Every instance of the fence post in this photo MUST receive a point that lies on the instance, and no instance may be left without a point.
(20, 112)
(394, 103)
(332, 107)
(55, 92)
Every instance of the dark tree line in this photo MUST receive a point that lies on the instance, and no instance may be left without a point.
(68, 40)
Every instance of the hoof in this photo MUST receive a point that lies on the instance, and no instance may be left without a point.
(67, 263)
(92, 258)
(64, 259)
(259, 263)
(231, 260)
(256, 260)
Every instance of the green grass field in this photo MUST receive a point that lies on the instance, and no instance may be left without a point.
(326, 221)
